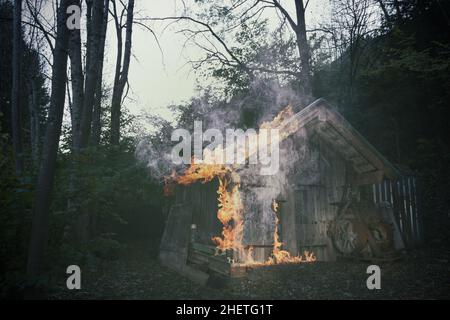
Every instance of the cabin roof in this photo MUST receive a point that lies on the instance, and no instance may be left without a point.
(320, 116)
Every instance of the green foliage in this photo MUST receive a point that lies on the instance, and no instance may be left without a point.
(17, 193)
(107, 249)
(90, 254)
(15, 206)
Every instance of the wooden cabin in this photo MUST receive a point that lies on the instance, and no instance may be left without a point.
(331, 203)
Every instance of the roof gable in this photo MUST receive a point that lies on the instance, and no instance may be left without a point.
(331, 126)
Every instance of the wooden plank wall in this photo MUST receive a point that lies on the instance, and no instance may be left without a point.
(203, 199)
(315, 204)
(403, 196)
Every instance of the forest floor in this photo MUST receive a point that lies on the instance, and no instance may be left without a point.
(139, 275)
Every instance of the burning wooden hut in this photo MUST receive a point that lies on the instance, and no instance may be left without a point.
(227, 220)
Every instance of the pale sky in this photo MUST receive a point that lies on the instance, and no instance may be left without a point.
(158, 81)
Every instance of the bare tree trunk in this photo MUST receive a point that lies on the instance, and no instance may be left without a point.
(97, 113)
(303, 49)
(121, 75)
(89, 6)
(115, 103)
(92, 70)
(15, 94)
(40, 221)
(77, 81)
(96, 16)
(33, 108)
(385, 12)
(76, 110)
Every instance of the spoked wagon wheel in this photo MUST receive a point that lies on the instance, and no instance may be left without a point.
(349, 236)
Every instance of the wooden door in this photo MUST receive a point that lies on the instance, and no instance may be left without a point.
(311, 206)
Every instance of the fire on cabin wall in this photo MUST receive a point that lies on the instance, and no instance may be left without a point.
(231, 208)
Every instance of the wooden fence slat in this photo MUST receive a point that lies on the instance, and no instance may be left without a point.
(383, 187)
(416, 212)
(418, 205)
(407, 210)
(411, 210)
(387, 186)
(374, 192)
(400, 208)
(412, 207)
(409, 204)
(403, 195)
(392, 193)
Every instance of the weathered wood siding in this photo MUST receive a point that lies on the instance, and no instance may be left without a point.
(203, 199)
(318, 185)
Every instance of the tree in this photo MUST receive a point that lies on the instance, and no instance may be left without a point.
(93, 71)
(15, 95)
(77, 82)
(97, 112)
(85, 107)
(40, 220)
(122, 66)
(36, 103)
(299, 28)
(215, 21)
(353, 22)
(33, 99)
(87, 86)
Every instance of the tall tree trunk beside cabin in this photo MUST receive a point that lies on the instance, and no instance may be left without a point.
(121, 75)
(40, 220)
(15, 91)
(77, 82)
(33, 109)
(299, 28)
(303, 49)
(93, 220)
(97, 113)
(92, 71)
(87, 92)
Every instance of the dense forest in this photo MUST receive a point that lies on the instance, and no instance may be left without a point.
(80, 178)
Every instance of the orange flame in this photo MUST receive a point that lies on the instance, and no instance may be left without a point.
(230, 208)
(282, 256)
(230, 214)
(202, 172)
(285, 114)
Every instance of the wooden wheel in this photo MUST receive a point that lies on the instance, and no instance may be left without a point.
(349, 236)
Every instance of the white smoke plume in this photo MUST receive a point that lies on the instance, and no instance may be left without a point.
(257, 191)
